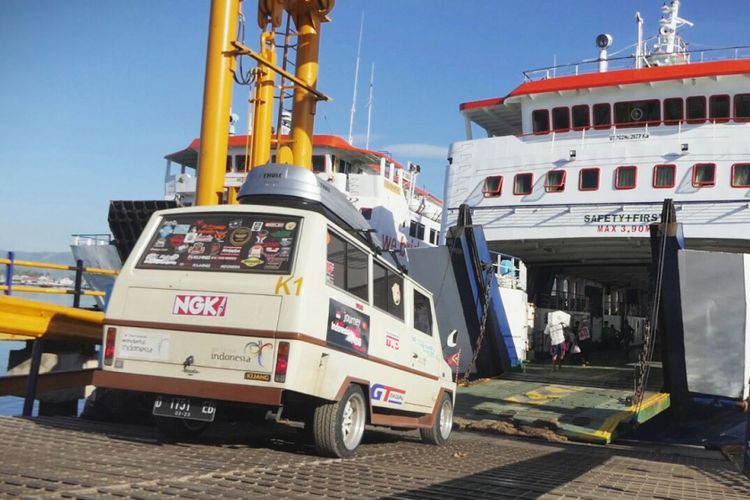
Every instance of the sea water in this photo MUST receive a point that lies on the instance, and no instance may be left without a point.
(12, 405)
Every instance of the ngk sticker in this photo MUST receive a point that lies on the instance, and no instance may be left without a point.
(200, 305)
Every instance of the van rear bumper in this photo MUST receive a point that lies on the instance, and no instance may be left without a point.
(269, 396)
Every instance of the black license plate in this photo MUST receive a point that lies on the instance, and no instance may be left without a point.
(187, 408)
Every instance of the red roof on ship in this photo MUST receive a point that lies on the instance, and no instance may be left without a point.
(619, 77)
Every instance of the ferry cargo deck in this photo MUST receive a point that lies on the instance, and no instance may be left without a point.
(74, 458)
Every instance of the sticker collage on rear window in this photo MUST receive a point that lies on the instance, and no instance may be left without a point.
(223, 242)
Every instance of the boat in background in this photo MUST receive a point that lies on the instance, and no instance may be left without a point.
(383, 190)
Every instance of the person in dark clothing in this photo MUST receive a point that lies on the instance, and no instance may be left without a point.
(584, 342)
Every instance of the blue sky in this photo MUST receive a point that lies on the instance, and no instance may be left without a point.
(93, 94)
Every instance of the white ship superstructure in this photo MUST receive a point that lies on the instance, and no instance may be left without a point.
(576, 165)
(385, 192)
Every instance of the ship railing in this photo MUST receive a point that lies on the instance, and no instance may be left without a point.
(563, 301)
(10, 284)
(510, 271)
(28, 385)
(620, 308)
(92, 239)
(629, 62)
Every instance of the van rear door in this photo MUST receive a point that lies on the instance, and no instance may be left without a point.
(207, 273)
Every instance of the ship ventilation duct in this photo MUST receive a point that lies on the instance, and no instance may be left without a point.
(603, 41)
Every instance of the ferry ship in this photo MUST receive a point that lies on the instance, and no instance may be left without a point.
(576, 161)
(382, 189)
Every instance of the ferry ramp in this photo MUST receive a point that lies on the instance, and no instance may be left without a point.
(73, 458)
(589, 404)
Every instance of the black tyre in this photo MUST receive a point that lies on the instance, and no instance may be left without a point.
(178, 428)
(440, 430)
(338, 427)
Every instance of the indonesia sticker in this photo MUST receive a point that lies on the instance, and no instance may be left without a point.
(348, 328)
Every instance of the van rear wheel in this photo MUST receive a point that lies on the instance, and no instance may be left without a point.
(440, 430)
(338, 427)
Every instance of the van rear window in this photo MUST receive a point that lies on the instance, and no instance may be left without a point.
(243, 243)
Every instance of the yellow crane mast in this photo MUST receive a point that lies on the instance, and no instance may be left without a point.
(308, 15)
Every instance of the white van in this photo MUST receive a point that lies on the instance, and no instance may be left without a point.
(276, 306)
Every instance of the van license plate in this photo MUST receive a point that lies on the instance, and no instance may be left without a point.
(191, 409)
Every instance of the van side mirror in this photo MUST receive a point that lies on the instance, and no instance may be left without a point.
(452, 339)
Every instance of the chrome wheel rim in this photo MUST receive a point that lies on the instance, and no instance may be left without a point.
(353, 421)
(446, 419)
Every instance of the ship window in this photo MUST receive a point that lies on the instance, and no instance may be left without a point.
(416, 230)
(555, 182)
(704, 174)
(663, 176)
(344, 167)
(387, 290)
(561, 119)
(346, 266)
(696, 109)
(581, 118)
(433, 236)
(239, 162)
(229, 163)
(674, 111)
(742, 107)
(493, 186)
(625, 177)
(588, 179)
(602, 115)
(633, 113)
(718, 108)
(319, 163)
(540, 121)
(522, 183)
(422, 313)
(741, 175)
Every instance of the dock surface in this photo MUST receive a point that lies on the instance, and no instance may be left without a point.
(59, 457)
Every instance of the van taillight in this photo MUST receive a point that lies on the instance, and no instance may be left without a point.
(282, 362)
(109, 346)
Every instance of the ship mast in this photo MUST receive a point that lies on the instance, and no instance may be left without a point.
(223, 47)
(356, 79)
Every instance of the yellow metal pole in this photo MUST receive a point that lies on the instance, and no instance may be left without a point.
(260, 152)
(217, 99)
(307, 19)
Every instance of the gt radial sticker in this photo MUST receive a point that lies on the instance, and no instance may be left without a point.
(348, 328)
(200, 305)
(387, 394)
